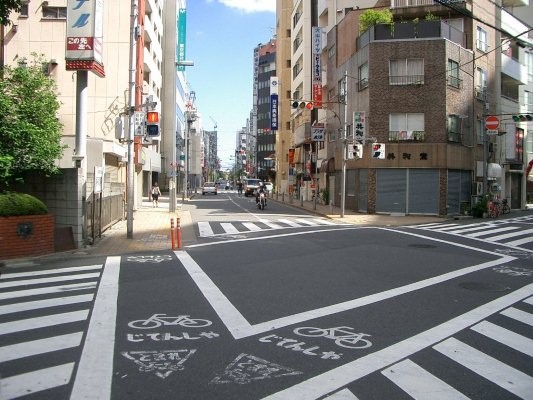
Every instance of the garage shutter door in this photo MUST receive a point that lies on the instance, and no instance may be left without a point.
(363, 190)
(423, 191)
(391, 190)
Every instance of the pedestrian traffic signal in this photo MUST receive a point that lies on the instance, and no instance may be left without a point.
(378, 151)
(522, 118)
(302, 104)
(152, 123)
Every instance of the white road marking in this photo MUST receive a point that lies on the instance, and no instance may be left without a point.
(35, 381)
(493, 231)
(42, 322)
(510, 235)
(240, 327)
(95, 370)
(251, 226)
(520, 242)
(519, 315)
(47, 290)
(339, 377)
(505, 336)
(45, 303)
(323, 221)
(343, 394)
(229, 228)
(38, 281)
(204, 229)
(270, 224)
(488, 367)
(289, 222)
(40, 346)
(10, 275)
(304, 221)
(420, 384)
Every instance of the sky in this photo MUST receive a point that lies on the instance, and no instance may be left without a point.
(221, 37)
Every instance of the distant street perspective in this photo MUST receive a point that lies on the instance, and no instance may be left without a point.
(266, 200)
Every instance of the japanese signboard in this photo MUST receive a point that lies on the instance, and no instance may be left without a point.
(359, 125)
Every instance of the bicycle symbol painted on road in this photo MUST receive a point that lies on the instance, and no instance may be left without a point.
(342, 335)
(156, 320)
(149, 259)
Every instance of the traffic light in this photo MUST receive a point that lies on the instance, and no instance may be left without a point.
(302, 104)
(522, 118)
(378, 151)
(152, 123)
(355, 151)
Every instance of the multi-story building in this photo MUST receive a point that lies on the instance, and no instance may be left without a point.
(266, 137)
(416, 93)
(80, 212)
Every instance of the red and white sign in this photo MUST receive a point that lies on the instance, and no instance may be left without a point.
(492, 123)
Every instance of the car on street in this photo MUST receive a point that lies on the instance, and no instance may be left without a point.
(209, 187)
(250, 185)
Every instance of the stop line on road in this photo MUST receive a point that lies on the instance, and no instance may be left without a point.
(208, 229)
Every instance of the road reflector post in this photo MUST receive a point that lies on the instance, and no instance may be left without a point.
(178, 233)
(172, 232)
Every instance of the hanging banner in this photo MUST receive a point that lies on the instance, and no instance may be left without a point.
(317, 66)
(273, 103)
(182, 37)
(84, 36)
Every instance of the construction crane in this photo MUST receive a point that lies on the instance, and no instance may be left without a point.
(214, 122)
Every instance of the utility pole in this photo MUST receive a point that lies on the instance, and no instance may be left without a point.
(130, 193)
(344, 142)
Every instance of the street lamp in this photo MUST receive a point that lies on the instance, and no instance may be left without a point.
(172, 183)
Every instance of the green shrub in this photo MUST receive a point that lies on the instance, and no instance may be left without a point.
(12, 204)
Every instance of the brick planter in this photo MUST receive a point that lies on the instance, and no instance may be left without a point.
(26, 235)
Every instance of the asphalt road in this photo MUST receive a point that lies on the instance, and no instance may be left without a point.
(277, 305)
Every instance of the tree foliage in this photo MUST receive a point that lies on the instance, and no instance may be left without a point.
(30, 131)
(6, 7)
(373, 17)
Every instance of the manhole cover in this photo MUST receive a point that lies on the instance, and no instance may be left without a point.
(486, 287)
(422, 246)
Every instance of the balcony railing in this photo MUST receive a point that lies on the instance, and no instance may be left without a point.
(419, 3)
(414, 136)
(406, 79)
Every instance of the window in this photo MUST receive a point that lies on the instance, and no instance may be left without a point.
(54, 12)
(408, 71)
(24, 10)
(453, 74)
(529, 66)
(331, 52)
(481, 83)
(454, 128)
(406, 127)
(482, 41)
(528, 101)
(363, 76)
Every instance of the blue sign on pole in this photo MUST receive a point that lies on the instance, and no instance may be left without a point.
(274, 112)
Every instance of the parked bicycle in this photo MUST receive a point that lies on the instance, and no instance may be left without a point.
(496, 208)
(157, 320)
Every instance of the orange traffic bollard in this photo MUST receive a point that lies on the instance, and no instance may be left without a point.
(172, 232)
(178, 233)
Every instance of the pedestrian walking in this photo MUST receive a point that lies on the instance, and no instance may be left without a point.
(156, 192)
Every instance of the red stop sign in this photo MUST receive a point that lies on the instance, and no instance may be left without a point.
(492, 123)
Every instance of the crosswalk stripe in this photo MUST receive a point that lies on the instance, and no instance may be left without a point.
(229, 228)
(529, 300)
(466, 230)
(205, 229)
(290, 223)
(518, 315)
(520, 242)
(47, 290)
(509, 235)
(343, 394)
(505, 336)
(49, 272)
(38, 281)
(35, 381)
(305, 222)
(270, 224)
(440, 226)
(42, 322)
(323, 221)
(420, 384)
(45, 303)
(493, 231)
(40, 346)
(251, 226)
(488, 367)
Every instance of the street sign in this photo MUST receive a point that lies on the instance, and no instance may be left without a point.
(491, 132)
(317, 134)
(139, 122)
(492, 123)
